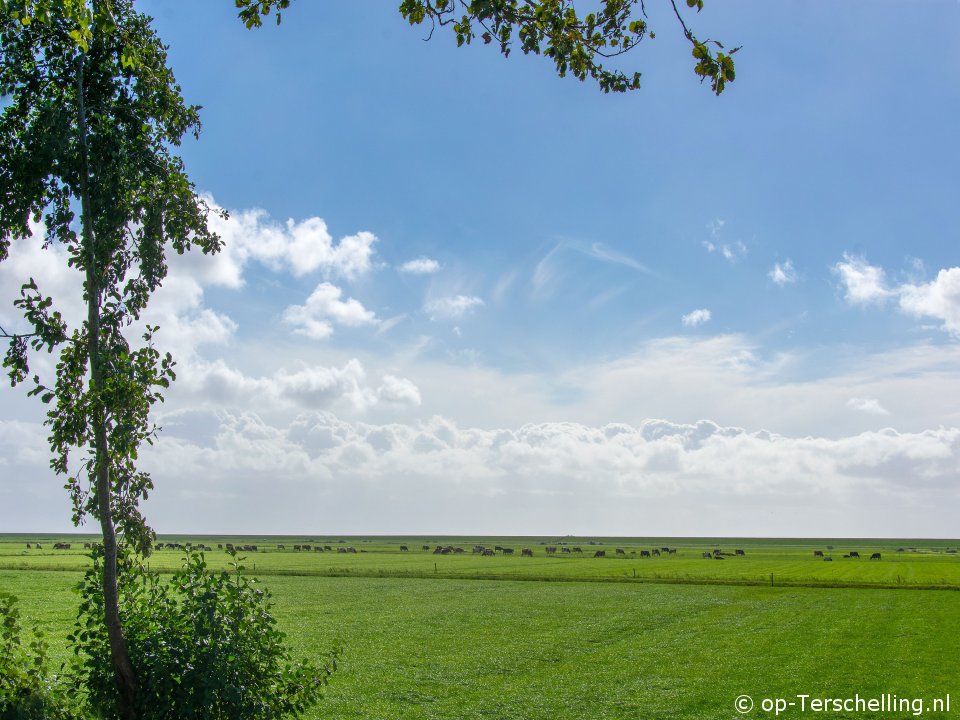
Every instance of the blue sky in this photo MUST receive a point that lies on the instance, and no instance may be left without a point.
(460, 294)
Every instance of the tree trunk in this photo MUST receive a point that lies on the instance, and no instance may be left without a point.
(123, 670)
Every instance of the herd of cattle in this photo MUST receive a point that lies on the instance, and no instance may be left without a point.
(716, 554)
(851, 554)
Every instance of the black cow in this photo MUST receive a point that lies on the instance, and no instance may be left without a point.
(739, 552)
(577, 550)
(508, 551)
(487, 553)
(565, 550)
(404, 548)
(621, 552)
(818, 553)
(644, 553)
(551, 549)
(526, 552)
(656, 552)
(600, 553)
(875, 556)
(854, 553)
(707, 555)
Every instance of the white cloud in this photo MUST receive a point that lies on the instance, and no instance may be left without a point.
(453, 306)
(730, 251)
(783, 273)
(867, 405)
(420, 266)
(938, 299)
(697, 317)
(323, 308)
(295, 247)
(398, 391)
(863, 283)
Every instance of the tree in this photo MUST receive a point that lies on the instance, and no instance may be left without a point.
(92, 116)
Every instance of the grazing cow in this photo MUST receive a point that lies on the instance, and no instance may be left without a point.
(498, 548)
(424, 547)
(446, 551)
(526, 552)
(351, 550)
(38, 546)
(854, 553)
(875, 556)
(404, 548)
(297, 548)
(487, 553)
(621, 552)
(306, 547)
(565, 550)
(818, 553)
(644, 553)
(342, 550)
(281, 547)
(656, 552)
(317, 548)
(673, 551)
(459, 550)
(508, 551)
(577, 550)
(717, 551)
(219, 546)
(739, 552)
(551, 549)
(28, 546)
(707, 555)
(327, 548)
(600, 553)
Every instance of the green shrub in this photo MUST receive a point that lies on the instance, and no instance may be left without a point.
(203, 645)
(27, 690)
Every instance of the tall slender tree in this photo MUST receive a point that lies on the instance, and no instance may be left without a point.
(86, 147)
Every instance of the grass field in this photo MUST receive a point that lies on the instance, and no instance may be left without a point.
(497, 637)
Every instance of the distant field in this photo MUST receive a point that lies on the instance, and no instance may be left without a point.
(913, 563)
(452, 643)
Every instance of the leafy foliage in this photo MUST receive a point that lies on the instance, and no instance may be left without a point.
(204, 646)
(577, 43)
(27, 690)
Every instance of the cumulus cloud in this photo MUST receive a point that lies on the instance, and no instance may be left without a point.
(317, 387)
(863, 283)
(420, 266)
(867, 405)
(938, 299)
(323, 308)
(450, 307)
(296, 247)
(783, 273)
(697, 317)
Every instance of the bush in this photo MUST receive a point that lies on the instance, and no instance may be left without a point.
(204, 646)
(27, 690)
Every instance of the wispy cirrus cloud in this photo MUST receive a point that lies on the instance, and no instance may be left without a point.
(451, 307)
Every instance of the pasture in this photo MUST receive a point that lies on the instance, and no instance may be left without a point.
(470, 636)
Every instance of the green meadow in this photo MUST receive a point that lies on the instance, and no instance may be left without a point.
(563, 636)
